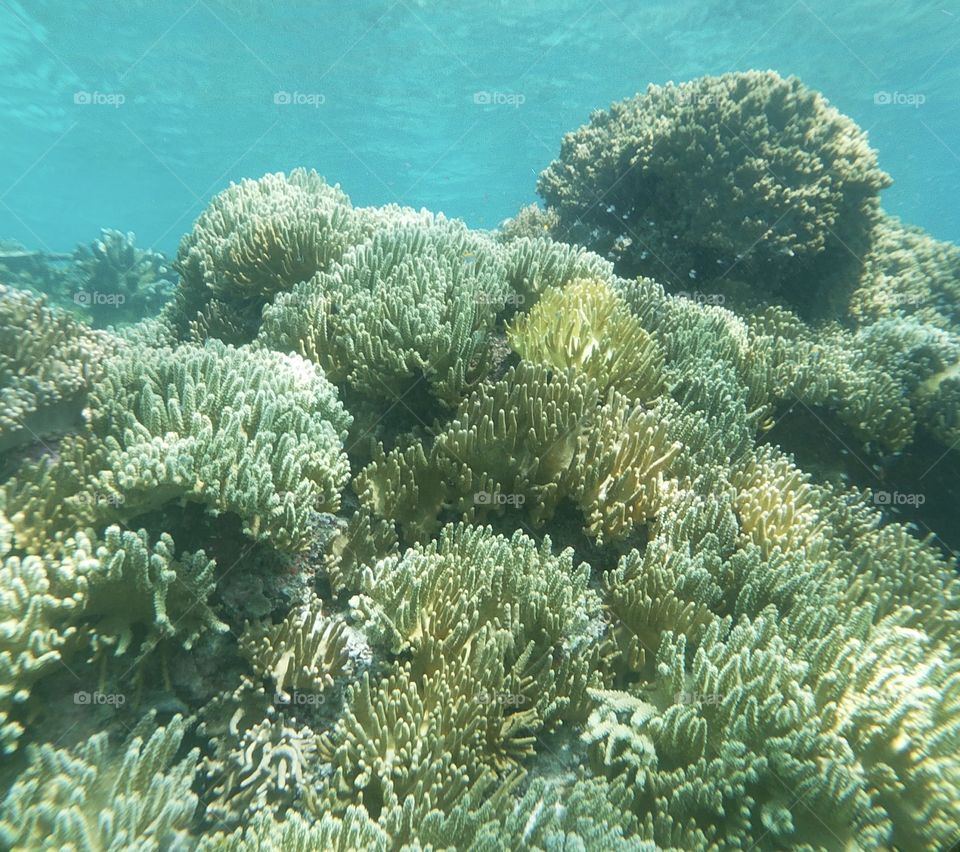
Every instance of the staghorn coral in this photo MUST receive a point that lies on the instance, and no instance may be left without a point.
(47, 362)
(416, 302)
(746, 172)
(256, 239)
(96, 796)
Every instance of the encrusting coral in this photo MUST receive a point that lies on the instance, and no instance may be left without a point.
(573, 597)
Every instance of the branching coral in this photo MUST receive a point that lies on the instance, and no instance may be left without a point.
(522, 445)
(98, 797)
(709, 648)
(534, 264)
(415, 302)
(908, 273)
(37, 598)
(588, 326)
(500, 637)
(531, 221)
(256, 239)
(135, 584)
(746, 171)
(353, 831)
(303, 654)
(237, 430)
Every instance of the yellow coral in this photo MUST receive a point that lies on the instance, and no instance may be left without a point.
(589, 327)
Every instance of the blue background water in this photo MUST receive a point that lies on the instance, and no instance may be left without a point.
(400, 119)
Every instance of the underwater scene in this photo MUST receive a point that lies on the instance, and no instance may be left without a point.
(438, 426)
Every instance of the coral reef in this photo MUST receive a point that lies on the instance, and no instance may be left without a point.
(243, 431)
(573, 595)
(745, 173)
(108, 282)
(119, 283)
(413, 302)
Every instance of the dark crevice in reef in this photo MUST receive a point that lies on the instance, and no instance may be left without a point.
(920, 486)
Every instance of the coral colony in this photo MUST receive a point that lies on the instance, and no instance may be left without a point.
(387, 533)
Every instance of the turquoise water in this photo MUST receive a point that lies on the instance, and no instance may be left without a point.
(398, 122)
(516, 425)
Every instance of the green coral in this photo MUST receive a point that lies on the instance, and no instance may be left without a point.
(119, 283)
(500, 641)
(908, 273)
(414, 303)
(256, 239)
(38, 597)
(98, 797)
(245, 431)
(522, 445)
(136, 584)
(672, 636)
(746, 173)
(588, 326)
(354, 830)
